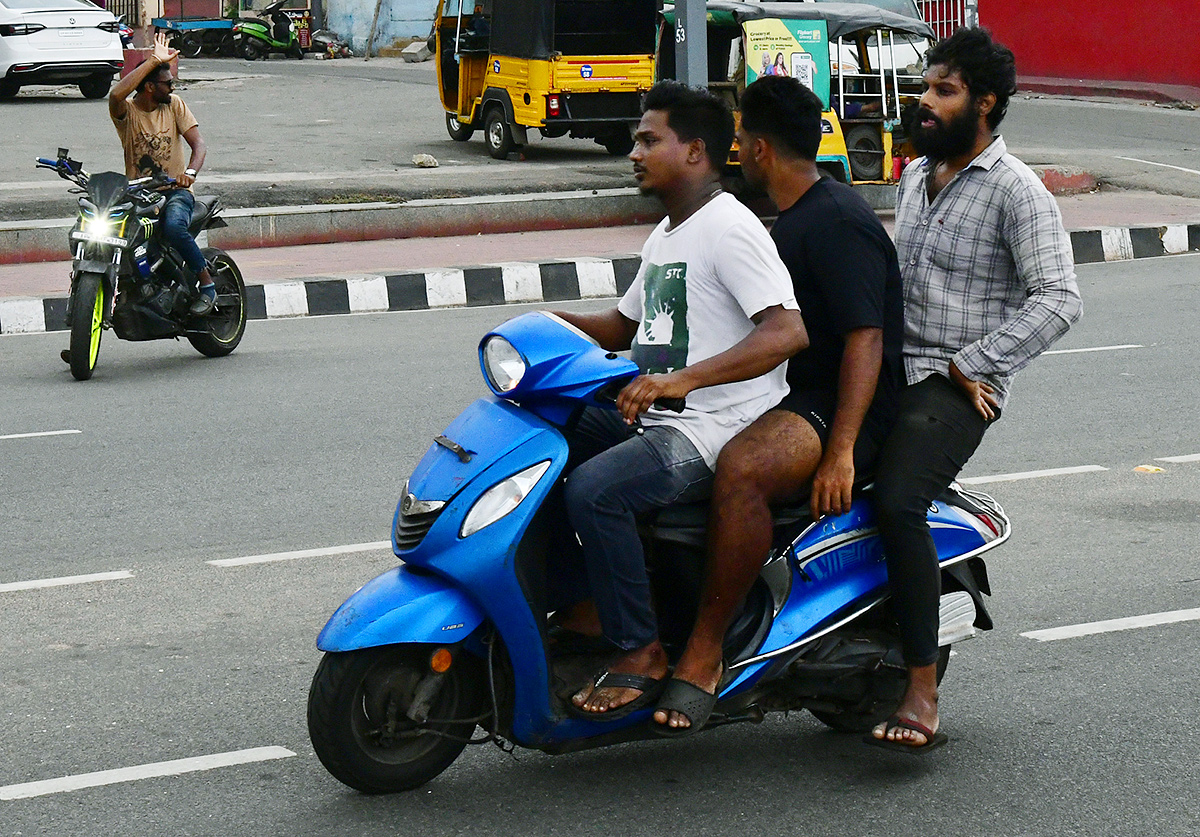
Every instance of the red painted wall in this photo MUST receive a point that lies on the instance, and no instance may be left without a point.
(1130, 40)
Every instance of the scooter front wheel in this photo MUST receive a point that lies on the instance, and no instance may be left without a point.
(363, 711)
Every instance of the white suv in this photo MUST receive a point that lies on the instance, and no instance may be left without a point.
(58, 42)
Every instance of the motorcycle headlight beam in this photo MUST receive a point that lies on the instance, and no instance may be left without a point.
(503, 364)
(501, 499)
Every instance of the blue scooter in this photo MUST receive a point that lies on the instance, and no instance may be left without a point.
(455, 637)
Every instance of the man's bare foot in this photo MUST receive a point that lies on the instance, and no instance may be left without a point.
(703, 670)
(649, 661)
(919, 704)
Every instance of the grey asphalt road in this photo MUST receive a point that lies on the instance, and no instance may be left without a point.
(302, 439)
(288, 132)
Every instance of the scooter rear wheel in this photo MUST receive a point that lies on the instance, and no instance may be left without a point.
(850, 721)
(249, 49)
(358, 716)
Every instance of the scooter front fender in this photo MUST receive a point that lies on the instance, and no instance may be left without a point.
(402, 605)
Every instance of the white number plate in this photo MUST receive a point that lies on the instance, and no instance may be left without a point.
(79, 235)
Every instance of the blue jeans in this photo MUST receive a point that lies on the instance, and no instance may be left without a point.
(623, 474)
(177, 214)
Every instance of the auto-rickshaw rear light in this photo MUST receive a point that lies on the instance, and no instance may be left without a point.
(552, 106)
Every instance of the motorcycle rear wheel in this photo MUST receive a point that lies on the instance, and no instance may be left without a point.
(358, 724)
(87, 324)
(227, 322)
(866, 721)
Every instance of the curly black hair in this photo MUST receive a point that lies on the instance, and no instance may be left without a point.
(986, 66)
(694, 113)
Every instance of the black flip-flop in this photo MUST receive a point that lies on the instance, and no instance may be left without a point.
(606, 679)
(933, 740)
(686, 699)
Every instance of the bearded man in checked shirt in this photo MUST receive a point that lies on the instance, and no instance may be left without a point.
(989, 284)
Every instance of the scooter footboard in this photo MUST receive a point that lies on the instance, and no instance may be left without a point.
(402, 605)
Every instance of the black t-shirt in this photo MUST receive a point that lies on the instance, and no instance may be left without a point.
(845, 273)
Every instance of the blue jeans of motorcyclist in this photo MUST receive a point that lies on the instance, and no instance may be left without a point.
(177, 214)
(936, 432)
(621, 475)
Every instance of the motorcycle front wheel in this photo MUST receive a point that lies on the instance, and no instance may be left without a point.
(226, 323)
(359, 715)
(87, 324)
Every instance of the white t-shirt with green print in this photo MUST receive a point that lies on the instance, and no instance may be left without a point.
(695, 293)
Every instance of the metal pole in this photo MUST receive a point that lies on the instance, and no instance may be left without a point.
(691, 43)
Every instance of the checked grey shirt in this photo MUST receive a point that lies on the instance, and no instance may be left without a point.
(989, 276)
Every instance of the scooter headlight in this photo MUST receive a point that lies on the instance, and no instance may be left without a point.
(501, 499)
(502, 364)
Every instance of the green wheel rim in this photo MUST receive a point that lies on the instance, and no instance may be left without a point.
(97, 323)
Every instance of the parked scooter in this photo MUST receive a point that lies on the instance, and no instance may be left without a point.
(126, 277)
(456, 635)
(125, 31)
(273, 31)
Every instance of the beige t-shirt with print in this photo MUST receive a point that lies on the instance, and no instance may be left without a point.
(157, 135)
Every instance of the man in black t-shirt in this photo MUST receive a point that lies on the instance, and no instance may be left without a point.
(843, 386)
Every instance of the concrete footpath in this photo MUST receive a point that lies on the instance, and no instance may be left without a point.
(538, 265)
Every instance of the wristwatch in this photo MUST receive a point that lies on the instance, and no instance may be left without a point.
(191, 173)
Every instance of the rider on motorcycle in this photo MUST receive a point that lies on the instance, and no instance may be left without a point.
(150, 127)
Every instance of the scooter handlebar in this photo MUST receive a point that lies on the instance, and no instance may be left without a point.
(674, 405)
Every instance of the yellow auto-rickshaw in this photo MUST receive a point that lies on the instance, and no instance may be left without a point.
(560, 66)
(863, 62)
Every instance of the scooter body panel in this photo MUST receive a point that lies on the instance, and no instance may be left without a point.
(401, 606)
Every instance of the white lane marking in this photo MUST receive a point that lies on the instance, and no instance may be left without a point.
(1029, 475)
(143, 771)
(63, 581)
(42, 433)
(301, 553)
(1110, 625)
(1163, 165)
(1095, 349)
(1191, 457)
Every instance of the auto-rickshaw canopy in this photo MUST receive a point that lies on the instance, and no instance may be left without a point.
(841, 19)
(537, 29)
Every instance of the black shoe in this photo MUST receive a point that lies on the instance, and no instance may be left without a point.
(65, 354)
(204, 303)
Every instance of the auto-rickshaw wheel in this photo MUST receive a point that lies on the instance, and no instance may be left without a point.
(457, 130)
(618, 143)
(865, 148)
(498, 133)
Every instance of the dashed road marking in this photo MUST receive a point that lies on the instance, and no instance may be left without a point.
(63, 581)
(302, 553)
(1094, 349)
(143, 771)
(42, 433)
(1110, 625)
(1029, 475)
(1191, 457)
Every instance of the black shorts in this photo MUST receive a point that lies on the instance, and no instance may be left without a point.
(817, 407)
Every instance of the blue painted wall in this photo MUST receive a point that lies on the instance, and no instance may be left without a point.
(351, 19)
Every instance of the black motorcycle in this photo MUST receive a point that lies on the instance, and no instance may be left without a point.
(126, 277)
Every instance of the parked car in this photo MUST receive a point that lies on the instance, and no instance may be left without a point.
(58, 42)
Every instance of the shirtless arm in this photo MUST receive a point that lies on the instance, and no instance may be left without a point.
(862, 359)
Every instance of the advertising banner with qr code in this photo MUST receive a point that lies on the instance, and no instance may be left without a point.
(796, 48)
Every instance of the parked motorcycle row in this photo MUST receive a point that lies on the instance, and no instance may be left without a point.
(272, 32)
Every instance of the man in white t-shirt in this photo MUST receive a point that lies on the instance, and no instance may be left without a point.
(710, 316)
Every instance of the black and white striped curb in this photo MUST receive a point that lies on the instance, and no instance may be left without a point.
(498, 284)
(551, 281)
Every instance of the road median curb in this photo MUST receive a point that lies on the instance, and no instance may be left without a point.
(559, 280)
